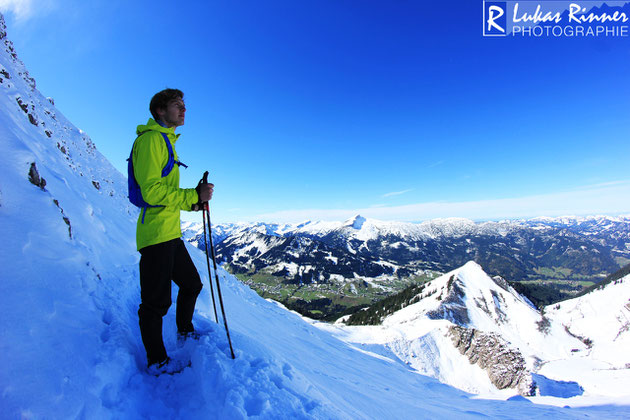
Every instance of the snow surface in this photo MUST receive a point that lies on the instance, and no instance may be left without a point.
(70, 342)
(603, 317)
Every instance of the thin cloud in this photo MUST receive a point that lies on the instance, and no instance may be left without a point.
(608, 198)
(433, 165)
(395, 193)
(23, 10)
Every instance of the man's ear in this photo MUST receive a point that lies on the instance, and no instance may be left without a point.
(160, 112)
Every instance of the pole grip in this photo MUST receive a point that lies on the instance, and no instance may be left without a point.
(204, 180)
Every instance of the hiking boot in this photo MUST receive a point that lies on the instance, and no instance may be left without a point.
(168, 366)
(193, 335)
(182, 337)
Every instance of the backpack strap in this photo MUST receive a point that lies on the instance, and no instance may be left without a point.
(144, 213)
(171, 158)
(170, 163)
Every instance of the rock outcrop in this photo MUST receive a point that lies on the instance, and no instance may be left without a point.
(505, 365)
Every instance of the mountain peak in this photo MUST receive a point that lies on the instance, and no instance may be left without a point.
(469, 297)
(471, 267)
(356, 222)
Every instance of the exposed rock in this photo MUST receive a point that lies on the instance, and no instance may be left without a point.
(505, 366)
(28, 79)
(502, 283)
(64, 217)
(499, 302)
(587, 341)
(453, 307)
(33, 176)
(67, 221)
(22, 105)
(3, 28)
(544, 325)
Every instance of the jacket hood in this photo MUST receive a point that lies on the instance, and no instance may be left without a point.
(152, 125)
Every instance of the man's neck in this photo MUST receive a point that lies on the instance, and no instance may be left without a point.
(163, 124)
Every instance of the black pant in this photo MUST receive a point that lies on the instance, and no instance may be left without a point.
(159, 264)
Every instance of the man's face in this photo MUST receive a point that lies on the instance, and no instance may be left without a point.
(174, 114)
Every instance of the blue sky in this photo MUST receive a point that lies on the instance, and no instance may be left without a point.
(398, 110)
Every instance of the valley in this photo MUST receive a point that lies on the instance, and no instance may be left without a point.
(325, 270)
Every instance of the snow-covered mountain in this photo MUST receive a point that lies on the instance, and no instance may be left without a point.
(354, 227)
(428, 334)
(480, 335)
(69, 289)
(324, 269)
(587, 247)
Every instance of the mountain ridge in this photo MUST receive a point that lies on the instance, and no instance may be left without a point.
(384, 257)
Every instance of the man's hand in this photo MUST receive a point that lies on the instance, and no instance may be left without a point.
(204, 191)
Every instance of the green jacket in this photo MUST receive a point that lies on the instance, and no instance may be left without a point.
(150, 155)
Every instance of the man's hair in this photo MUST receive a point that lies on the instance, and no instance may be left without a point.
(161, 99)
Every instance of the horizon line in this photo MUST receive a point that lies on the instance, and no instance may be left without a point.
(621, 215)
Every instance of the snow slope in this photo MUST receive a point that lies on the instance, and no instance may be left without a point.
(69, 292)
(602, 319)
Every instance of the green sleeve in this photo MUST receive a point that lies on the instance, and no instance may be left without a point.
(150, 155)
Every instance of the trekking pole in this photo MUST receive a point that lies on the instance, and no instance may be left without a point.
(205, 241)
(206, 213)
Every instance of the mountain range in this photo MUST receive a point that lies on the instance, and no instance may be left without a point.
(313, 266)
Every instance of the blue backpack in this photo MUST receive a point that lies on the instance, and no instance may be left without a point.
(135, 194)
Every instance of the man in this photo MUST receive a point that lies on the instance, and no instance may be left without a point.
(158, 234)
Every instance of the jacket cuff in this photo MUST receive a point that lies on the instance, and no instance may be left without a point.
(191, 198)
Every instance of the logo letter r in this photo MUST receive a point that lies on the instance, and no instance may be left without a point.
(492, 17)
